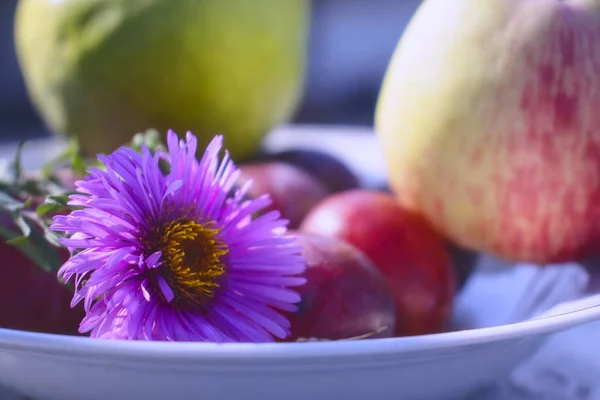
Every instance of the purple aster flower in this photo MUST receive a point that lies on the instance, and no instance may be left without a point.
(177, 255)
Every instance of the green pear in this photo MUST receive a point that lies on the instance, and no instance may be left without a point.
(102, 70)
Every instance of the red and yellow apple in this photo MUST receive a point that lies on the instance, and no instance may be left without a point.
(488, 116)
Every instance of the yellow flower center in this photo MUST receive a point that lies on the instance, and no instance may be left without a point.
(192, 259)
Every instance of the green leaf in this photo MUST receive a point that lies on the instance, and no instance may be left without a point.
(46, 257)
(28, 203)
(16, 165)
(6, 174)
(53, 203)
(33, 244)
(5, 187)
(52, 237)
(78, 165)
(71, 156)
(32, 187)
(29, 234)
(18, 241)
(150, 138)
(9, 203)
(29, 231)
(47, 208)
(7, 234)
(22, 224)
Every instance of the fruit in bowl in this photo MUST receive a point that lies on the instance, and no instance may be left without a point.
(327, 369)
(345, 295)
(293, 191)
(373, 246)
(332, 173)
(464, 262)
(409, 253)
(33, 299)
(488, 122)
(103, 70)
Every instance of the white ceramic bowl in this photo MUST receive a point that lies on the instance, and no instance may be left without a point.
(441, 366)
(431, 367)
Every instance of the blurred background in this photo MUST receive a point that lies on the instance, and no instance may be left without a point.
(350, 44)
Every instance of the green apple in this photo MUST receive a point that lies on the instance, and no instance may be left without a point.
(102, 70)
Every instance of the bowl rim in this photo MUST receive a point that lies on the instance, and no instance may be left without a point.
(77, 346)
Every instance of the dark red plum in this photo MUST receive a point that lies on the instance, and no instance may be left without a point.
(333, 173)
(293, 191)
(345, 295)
(463, 262)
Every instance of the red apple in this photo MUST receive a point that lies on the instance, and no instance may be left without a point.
(32, 299)
(293, 191)
(410, 254)
(488, 119)
(345, 296)
(463, 260)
